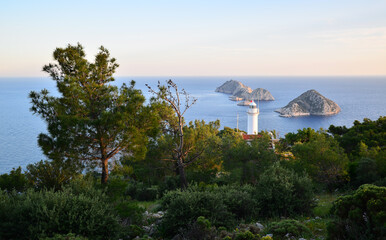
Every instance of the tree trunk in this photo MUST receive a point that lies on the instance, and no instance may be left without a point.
(181, 172)
(180, 162)
(105, 171)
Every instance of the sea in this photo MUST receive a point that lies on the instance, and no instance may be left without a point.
(358, 97)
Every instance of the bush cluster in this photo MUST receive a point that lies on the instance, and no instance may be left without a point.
(360, 215)
(42, 214)
(52, 174)
(289, 229)
(141, 192)
(170, 183)
(15, 180)
(222, 206)
(129, 212)
(281, 192)
(69, 236)
(366, 170)
(202, 229)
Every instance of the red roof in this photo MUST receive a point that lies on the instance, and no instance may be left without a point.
(251, 136)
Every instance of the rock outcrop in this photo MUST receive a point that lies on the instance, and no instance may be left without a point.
(241, 92)
(244, 103)
(309, 103)
(232, 86)
(261, 94)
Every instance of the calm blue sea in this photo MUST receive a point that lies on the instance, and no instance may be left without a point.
(359, 97)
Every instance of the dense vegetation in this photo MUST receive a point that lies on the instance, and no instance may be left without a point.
(360, 215)
(38, 214)
(109, 174)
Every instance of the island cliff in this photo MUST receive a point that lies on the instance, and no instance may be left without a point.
(309, 103)
(241, 92)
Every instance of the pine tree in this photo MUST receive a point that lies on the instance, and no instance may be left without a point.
(92, 120)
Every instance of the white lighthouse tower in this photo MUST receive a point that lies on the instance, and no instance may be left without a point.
(253, 117)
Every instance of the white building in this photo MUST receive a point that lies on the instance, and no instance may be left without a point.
(253, 118)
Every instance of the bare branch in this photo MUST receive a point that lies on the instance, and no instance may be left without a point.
(193, 159)
(172, 96)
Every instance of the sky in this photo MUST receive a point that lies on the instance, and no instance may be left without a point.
(200, 37)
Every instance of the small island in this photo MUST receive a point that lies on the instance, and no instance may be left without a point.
(309, 103)
(240, 92)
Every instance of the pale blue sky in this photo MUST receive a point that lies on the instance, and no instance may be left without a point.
(200, 38)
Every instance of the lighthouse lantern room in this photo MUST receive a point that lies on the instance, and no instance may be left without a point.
(253, 115)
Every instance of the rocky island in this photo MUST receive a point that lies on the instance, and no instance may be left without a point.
(240, 92)
(309, 103)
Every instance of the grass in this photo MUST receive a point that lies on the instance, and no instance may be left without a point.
(318, 224)
(150, 206)
(324, 204)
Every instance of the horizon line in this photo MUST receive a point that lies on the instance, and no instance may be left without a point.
(228, 76)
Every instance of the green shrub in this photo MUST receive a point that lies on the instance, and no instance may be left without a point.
(135, 231)
(366, 171)
(321, 157)
(288, 228)
(239, 201)
(242, 232)
(253, 228)
(69, 236)
(147, 194)
(200, 230)
(203, 222)
(318, 226)
(266, 238)
(222, 206)
(141, 192)
(247, 235)
(129, 212)
(51, 174)
(170, 183)
(85, 186)
(115, 188)
(201, 175)
(381, 182)
(360, 215)
(15, 180)
(183, 208)
(34, 215)
(281, 192)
